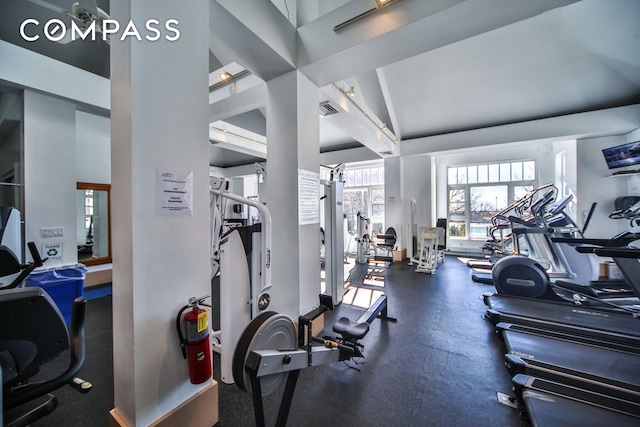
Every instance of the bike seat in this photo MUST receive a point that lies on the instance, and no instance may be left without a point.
(349, 329)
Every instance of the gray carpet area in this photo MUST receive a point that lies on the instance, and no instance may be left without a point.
(438, 365)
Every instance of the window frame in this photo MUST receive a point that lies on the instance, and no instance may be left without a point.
(466, 188)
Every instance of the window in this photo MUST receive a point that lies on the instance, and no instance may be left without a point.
(364, 192)
(478, 192)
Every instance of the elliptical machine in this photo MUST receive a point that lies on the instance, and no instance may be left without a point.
(519, 276)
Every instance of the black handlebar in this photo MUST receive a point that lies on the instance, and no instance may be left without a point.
(28, 268)
(618, 252)
(33, 250)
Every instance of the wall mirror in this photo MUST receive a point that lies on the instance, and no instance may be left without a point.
(93, 227)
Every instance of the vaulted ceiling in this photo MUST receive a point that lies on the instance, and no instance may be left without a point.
(420, 69)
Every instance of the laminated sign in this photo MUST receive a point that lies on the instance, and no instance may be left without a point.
(308, 197)
(174, 192)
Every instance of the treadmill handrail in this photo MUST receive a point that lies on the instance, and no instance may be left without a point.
(618, 252)
(580, 241)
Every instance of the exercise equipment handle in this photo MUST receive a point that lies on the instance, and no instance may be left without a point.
(618, 252)
(37, 262)
(33, 250)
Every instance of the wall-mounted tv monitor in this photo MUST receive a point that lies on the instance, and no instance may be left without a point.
(622, 155)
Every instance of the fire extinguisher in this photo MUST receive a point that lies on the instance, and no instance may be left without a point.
(195, 346)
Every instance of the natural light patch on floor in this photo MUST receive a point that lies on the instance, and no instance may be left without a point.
(375, 280)
(361, 297)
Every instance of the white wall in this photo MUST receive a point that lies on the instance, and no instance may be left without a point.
(93, 148)
(50, 173)
(418, 184)
(394, 209)
(568, 148)
(93, 159)
(595, 184)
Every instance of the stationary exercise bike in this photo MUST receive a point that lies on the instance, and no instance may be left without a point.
(270, 350)
(32, 333)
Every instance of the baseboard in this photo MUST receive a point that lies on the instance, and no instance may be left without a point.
(97, 278)
(199, 411)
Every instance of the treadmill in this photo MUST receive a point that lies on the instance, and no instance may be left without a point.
(618, 327)
(586, 366)
(548, 403)
(573, 377)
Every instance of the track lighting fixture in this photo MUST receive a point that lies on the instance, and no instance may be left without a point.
(349, 95)
(379, 5)
(226, 78)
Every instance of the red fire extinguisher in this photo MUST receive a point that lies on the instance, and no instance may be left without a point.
(195, 346)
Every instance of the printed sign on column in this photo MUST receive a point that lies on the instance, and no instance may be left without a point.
(308, 197)
(174, 192)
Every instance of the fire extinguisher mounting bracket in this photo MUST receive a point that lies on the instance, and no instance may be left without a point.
(199, 301)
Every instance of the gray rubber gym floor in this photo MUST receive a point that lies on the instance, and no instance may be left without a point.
(438, 365)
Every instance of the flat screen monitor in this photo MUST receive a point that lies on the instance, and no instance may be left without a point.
(622, 155)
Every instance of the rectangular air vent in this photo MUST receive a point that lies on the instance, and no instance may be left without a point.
(327, 109)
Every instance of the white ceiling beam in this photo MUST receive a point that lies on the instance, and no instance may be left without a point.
(611, 121)
(386, 94)
(262, 39)
(231, 104)
(399, 31)
(24, 68)
(348, 155)
(373, 96)
(228, 136)
(358, 121)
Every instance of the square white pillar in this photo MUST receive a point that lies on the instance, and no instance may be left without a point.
(293, 149)
(159, 122)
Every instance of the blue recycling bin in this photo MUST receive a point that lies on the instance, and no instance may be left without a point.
(63, 284)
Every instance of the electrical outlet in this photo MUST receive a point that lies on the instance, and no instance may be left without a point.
(51, 232)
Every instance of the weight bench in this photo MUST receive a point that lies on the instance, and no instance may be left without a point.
(353, 331)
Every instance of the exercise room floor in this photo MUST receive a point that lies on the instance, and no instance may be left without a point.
(438, 365)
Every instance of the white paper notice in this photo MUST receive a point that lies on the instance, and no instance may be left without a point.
(174, 192)
(308, 197)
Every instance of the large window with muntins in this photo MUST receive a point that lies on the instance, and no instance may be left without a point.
(364, 192)
(478, 192)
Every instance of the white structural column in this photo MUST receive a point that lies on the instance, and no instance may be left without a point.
(293, 148)
(394, 208)
(159, 124)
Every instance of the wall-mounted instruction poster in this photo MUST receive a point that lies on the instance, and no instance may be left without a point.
(308, 197)
(174, 192)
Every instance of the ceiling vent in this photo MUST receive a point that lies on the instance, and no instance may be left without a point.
(386, 153)
(328, 109)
